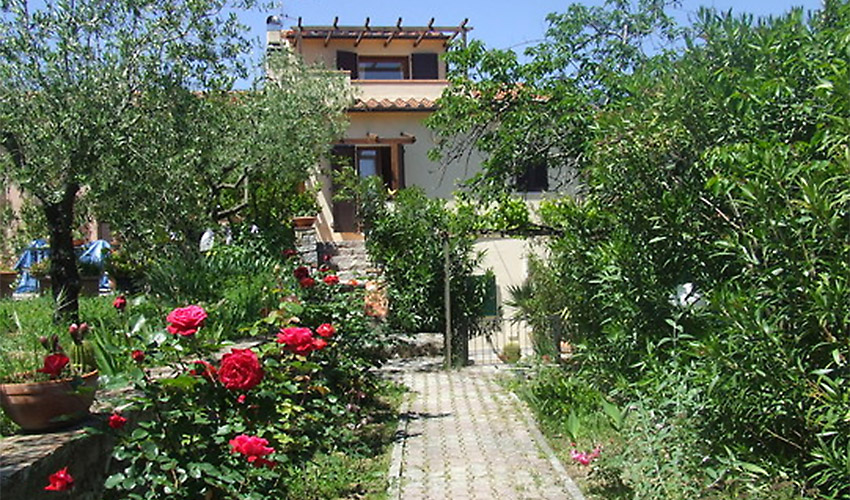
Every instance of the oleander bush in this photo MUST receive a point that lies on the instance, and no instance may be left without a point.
(703, 271)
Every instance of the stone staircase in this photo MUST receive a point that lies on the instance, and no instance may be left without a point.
(349, 258)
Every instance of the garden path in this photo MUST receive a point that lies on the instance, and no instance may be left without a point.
(464, 436)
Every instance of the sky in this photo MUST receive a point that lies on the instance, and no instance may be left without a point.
(498, 23)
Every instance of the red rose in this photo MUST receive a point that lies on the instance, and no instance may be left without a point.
(319, 344)
(186, 320)
(253, 447)
(241, 399)
(119, 303)
(301, 272)
(54, 364)
(296, 339)
(331, 279)
(307, 282)
(60, 481)
(116, 421)
(289, 252)
(138, 355)
(203, 369)
(240, 370)
(326, 330)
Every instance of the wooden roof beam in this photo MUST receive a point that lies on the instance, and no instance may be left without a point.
(360, 35)
(331, 32)
(424, 32)
(392, 35)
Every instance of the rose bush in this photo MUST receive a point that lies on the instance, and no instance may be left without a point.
(245, 426)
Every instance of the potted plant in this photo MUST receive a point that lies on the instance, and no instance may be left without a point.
(125, 269)
(303, 208)
(41, 271)
(60, 393)
(89, 278)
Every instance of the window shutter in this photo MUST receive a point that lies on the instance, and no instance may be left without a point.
(425, 66)
(343, 211)
(347, 61)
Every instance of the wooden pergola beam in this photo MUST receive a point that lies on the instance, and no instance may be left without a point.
(331, 32)
(392, 35)
(360, 35)
(424, 32)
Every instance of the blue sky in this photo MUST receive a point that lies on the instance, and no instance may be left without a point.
(499, 23)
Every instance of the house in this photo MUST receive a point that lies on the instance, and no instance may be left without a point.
(398, 74)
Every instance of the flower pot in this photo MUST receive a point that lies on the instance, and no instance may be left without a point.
(43, 406)
(303, 221)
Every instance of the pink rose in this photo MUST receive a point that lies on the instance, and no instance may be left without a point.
(326, 330)
(296, 339)
(60, 480)
(253, 447)
(319, 344)
(240, 370)
(54, 364)
(186, 320)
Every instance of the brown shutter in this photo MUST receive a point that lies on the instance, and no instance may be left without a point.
(347, 61)
(343, 211)
(425, 66)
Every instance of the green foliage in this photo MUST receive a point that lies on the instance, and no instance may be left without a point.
(408, 236)
(702, 275)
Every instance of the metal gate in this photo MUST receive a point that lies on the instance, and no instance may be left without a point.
(504, 339)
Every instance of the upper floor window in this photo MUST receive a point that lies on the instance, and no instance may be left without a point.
(382, 68)
(417, 66)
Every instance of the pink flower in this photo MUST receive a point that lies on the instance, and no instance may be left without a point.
(253, 447)
(326, 330)
(119, 303)
(54, 364)
(585, 458)
(331, 279)
(60, 480)
(116, 421)
(240, 370)
(296, 339)
(185, 321)
(241, 399)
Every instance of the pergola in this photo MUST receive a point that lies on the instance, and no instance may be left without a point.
(387, 33)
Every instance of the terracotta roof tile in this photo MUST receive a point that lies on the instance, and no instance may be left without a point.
(412, 104)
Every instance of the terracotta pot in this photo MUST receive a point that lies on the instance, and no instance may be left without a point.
(42, 406)
(303, 221)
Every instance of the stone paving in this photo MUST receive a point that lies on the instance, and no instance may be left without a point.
(463, 436)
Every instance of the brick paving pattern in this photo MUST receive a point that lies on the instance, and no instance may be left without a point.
(463, 436)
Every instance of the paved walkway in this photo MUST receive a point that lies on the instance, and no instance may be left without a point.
(463, 436)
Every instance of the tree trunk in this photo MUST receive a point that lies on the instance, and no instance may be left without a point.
(63, 261)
